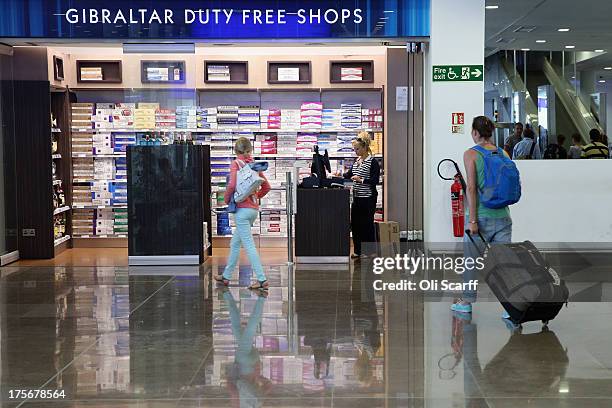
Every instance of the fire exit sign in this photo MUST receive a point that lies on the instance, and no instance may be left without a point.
(457, 73)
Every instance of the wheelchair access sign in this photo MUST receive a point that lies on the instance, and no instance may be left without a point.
(457, 73)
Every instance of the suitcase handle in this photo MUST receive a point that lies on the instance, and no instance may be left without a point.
(469, 234)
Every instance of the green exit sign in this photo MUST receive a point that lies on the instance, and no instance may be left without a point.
(458, 72)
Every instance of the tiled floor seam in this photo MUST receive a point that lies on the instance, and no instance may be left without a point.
(94, 343)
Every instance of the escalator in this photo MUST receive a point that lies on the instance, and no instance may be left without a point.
(580, 114)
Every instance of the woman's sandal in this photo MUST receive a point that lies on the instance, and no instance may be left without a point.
(260, 285)
(220, 279)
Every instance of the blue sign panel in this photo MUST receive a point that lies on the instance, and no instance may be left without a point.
(214, 19)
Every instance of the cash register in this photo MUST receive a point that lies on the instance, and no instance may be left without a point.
(318, 173)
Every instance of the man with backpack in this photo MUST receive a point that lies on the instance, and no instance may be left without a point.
(556, 150)
(527, 149)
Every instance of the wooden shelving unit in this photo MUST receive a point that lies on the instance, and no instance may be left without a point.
(275, 95)
(35, 162)
(239, 72)
(335, 71)
(173, 67)
(305, 70)
(111, 71)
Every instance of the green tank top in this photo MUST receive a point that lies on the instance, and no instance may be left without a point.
(482, 210)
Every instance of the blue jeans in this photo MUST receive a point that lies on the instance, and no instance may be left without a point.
(245, 217)
(494, 230)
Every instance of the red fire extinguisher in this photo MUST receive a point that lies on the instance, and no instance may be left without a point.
(457, 207)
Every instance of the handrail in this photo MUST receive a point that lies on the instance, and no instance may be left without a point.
(581, 115)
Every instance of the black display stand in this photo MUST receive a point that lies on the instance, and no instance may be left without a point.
(322, 226)
(168, 202)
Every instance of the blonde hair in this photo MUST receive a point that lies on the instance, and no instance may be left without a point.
(363, 139)
(243, 146)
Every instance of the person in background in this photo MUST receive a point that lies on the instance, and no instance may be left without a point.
(596, 149)
(527, 149)
(556, 150)
(562, 150)
(495, 225)
(575, 150)
(245, 216)
(514, 139)
(365, 174)
(604, 140)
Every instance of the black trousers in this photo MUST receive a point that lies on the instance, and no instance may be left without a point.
(362, 221)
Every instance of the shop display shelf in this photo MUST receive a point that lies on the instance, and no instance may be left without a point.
(56, 130)
(96, 207)
(171, 66)
(88, 155)
(228, 130)
(56, 156)
(109, 236)
(111, 71)
(57, 182)
(238, 70)
(335, 71)
(309, 157)
(221, 147)
(82, 180)
(304, 67)
(61, 210)
(61, 240)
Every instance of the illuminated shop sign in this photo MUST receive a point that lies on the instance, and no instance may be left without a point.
(211, 19)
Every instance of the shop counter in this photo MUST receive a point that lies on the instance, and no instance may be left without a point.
(322, 226)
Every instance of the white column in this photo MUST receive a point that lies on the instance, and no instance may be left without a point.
(457, 38)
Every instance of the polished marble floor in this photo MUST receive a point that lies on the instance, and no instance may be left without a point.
(119, 336)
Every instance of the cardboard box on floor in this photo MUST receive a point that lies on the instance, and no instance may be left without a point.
(388, 237)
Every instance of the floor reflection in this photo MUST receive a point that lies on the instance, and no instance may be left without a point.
(318, 337)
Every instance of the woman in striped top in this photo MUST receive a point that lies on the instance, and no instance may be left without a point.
(365, 174)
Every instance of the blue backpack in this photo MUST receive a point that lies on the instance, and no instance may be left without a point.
(502, 182)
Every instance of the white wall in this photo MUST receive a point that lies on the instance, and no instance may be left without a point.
(457, 37)
(564, 202)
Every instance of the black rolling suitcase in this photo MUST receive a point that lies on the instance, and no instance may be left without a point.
(525, 284)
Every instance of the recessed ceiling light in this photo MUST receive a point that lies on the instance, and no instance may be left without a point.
(599, 50)
(525, 49)
(491, 7)
(384, 18)
(541, 41)
(570, 46)
(389, 11)
(602, 81)
(563, 30)
(608, 68)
